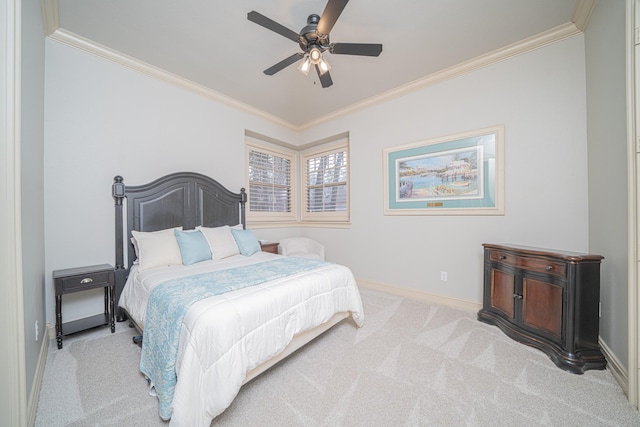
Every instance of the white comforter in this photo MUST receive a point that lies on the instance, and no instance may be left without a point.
(225, 336)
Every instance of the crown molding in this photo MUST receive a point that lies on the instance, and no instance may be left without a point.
(535, 42)
(71, 39)
(583, 13)
(50, 16)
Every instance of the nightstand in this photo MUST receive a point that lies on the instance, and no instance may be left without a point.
(269, 247)
(83, 279)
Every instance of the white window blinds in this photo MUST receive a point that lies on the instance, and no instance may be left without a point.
(326, 185)
(270, 187)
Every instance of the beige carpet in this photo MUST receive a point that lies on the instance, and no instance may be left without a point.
(412, 364)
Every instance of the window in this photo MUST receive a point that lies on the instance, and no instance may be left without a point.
(283, 180)
(326, 184)
(271, 189)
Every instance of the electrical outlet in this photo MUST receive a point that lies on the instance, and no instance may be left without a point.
(37, 331)
(443, 276)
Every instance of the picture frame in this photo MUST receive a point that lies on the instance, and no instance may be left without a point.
(461, 174)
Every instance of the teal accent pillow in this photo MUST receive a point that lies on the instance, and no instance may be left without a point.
(194, 247)
(247, 242)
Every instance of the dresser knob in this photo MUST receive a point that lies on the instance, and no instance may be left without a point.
(86, 280)
(502, 257)
(549, 267)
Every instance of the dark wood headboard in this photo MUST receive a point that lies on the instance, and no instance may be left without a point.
(184, 199)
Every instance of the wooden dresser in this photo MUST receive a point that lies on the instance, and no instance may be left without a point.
(546, 299)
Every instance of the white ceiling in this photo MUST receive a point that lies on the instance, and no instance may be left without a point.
(212, 44)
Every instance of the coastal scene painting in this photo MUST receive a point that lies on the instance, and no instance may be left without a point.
(461, 174)
(440, 176)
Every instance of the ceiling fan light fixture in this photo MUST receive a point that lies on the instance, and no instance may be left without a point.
(323, 65)
(305, 65)
(315, 55)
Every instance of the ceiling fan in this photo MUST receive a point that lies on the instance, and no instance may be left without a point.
(314, 40)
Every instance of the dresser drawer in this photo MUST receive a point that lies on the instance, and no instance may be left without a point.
(537, 265)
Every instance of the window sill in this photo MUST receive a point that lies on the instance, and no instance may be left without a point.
(302, 224)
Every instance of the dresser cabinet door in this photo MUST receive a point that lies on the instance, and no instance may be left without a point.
(502, 292)
(543, 307)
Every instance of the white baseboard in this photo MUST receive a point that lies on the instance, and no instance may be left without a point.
(52, 331)
(422, 295)
(37, 378)
(618, 370)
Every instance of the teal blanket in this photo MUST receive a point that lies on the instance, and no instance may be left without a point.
(169, 302)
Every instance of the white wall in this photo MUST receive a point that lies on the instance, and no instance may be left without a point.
(540, 98)
(607, 129)
(104, 120)
(32, 181)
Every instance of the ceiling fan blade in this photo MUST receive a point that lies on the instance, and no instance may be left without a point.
(283, 64)
(365, 49)
(272, 25)
(331, 13)
(325, 79)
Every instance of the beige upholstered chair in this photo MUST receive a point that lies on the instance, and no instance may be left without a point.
(301, 247)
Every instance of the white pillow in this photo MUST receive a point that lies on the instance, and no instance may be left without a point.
(221, 241)
(157, 248)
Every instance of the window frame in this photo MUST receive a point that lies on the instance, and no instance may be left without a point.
(326, 149)
(297, 155)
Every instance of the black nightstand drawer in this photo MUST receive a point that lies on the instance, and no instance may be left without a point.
(85, 281)
(82, 278)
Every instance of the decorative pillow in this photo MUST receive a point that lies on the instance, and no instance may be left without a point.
(221, 241)
(247, 242)
(157, 249)
(193, 246)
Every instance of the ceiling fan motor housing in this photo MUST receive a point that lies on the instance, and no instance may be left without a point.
(309, 35)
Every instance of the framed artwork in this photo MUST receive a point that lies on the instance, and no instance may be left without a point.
(460, 174)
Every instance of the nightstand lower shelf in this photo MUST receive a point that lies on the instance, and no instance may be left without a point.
(74, 326)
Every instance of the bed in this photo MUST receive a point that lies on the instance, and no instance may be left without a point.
(211, 325)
